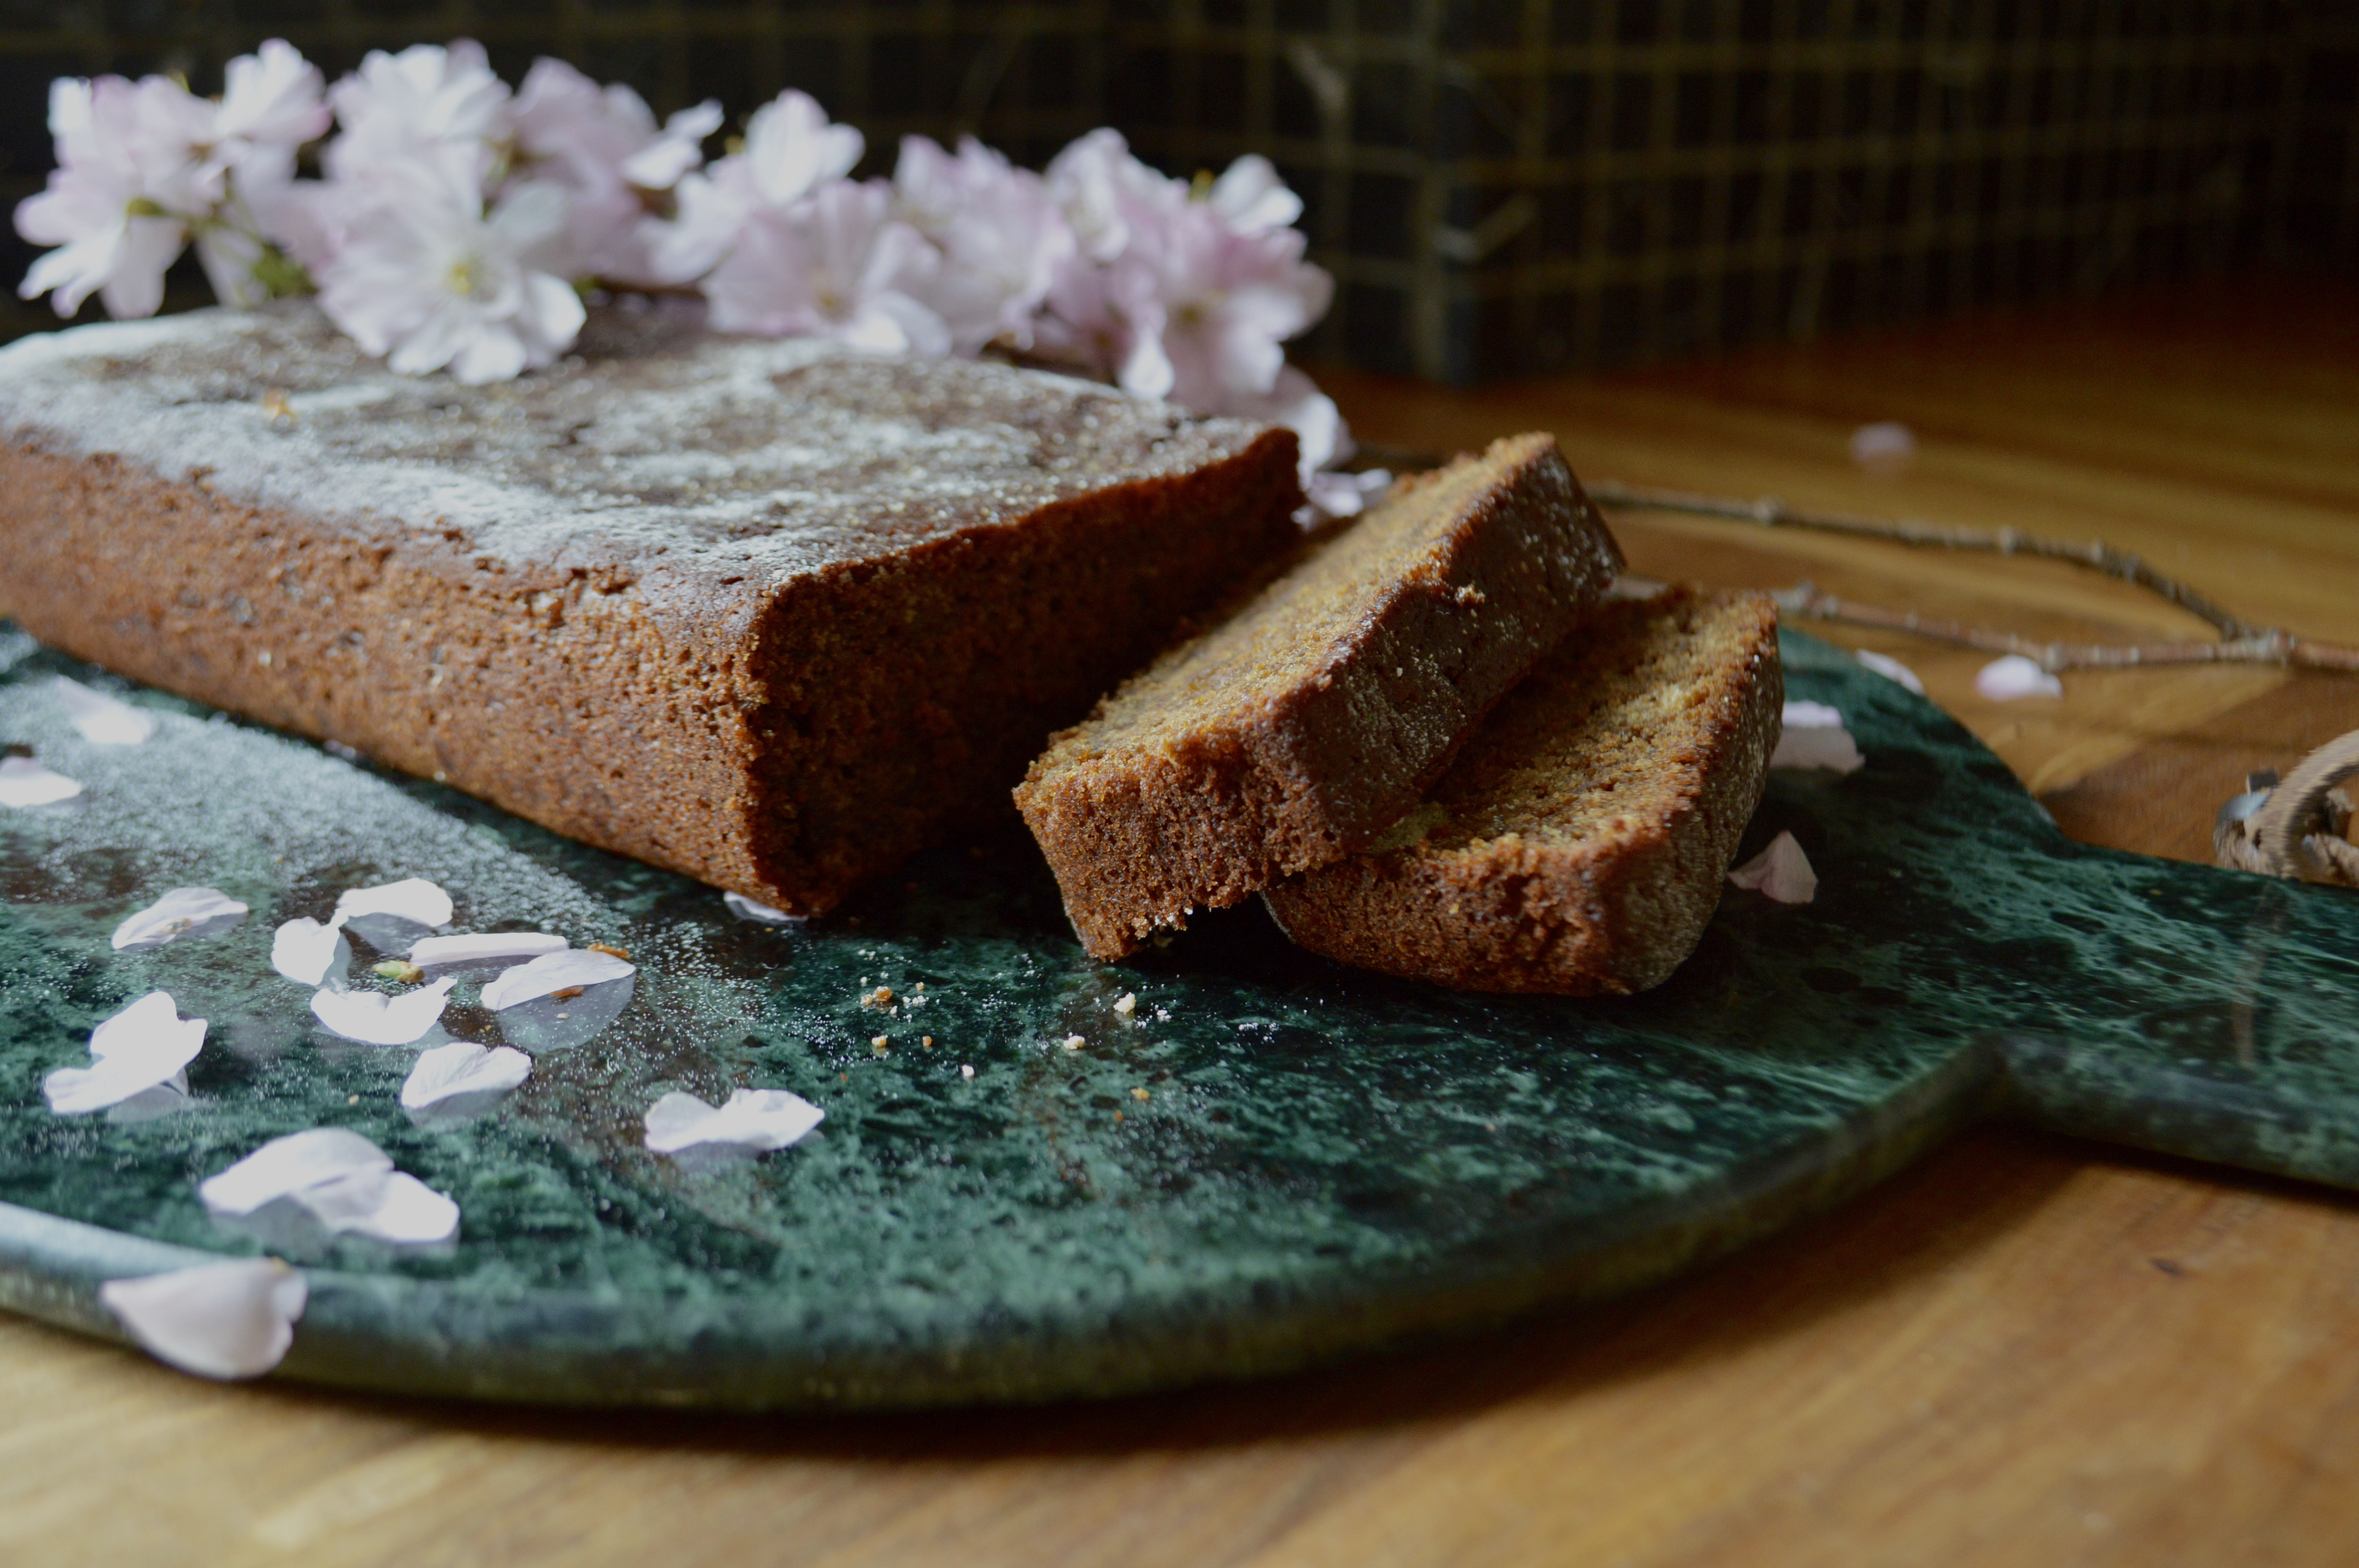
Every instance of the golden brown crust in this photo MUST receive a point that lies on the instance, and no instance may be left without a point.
(1301, 726)
(783, 738)
(1579, 845)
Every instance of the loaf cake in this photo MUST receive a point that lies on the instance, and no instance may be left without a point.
(1317, 710)
(1577, 844)
(764, 612)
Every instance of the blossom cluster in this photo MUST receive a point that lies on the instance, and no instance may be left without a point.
(456, 223)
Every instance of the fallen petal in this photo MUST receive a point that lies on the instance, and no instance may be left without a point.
(463, 1067)
(752, 1119)
(143, 1046)
(227, 1320)
(414, 898)
(486, 947)
(342, 1180)
(99, 717)
(287, 1167)
(384, 1206)
(375, 1019)
(1886, 446)
(2005, 680)
(547, 1023)
(304, 950)
(554, 972)
(1891, 669)
(25, 783)
(744, 908)
(176, 914)
(1814, 737)
(1781, 873)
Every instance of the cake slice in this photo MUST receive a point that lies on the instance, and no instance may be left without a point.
(766, 613)
(1301, 725)
(1579, 843)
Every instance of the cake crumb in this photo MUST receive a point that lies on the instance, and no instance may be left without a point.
(1139, 1094)
(1162, 1015)
(1128, 1004)
(880, 1044)
(609, 950)
(965, 1071)
(408, 974)
(1074, 1041)
(927, 1041)
(881, 996)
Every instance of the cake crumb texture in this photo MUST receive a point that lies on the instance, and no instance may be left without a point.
(1579, 843)
(1316, 711)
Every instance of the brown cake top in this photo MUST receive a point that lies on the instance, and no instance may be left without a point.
(654, 441)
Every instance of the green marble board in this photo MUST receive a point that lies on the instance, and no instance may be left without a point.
(1324, 1160)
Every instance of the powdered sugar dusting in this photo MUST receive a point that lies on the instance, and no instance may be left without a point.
(659, 444)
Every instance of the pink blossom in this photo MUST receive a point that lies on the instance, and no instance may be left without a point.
(603, 147)
(130, 178)
(1229, 301)
(430, 280)
(425, 102)
(1101, 187)
(791, 148)
(1251, 197)
(835, 264)
(1002, 238)
(272, 98)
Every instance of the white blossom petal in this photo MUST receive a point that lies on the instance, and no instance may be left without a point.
(1334, 495)
(463, 1068)
(2005, 680)
(1886, 446)
(102, 718)
(146, 1046)
(305, 951)
(227, 1320)
(414, 898)
(339, 1179)
(484, 947)
(1814, 737)
(1781, 873)
(375, 1019)
(389, 1207)
(1890, 668)
(286, 1166)
(744, 908)
(174, 915)
(25, 783)
(554, 972)
(757, 1120)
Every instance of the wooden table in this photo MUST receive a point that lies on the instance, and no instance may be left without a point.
(2024, 1350)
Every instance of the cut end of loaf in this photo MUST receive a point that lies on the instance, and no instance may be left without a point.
(1578, 845)
(1311, 716)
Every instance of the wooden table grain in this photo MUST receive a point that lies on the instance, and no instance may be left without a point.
(2024, 1350)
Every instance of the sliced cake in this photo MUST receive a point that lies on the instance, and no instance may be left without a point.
(1313, 715)
(768, 614)
(1579, 843)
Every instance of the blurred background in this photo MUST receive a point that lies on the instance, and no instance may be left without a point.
(1501, 187)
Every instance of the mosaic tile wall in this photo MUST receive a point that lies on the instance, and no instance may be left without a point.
(1508, 186)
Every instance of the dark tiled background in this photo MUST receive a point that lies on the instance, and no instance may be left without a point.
(1507, 186)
